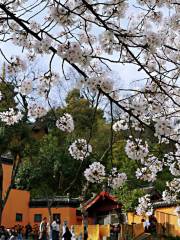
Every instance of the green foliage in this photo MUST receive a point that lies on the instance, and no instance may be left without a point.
(87, 124)
(162, 178)
(48, 162)
(15, 138)
(50, 170)
(8, 94)
(129, 197)
(52, 167)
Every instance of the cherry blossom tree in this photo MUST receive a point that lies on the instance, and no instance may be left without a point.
(91, 37)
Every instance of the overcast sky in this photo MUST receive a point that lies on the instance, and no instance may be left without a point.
(123, 74)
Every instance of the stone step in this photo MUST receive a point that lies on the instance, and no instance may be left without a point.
(144, 236)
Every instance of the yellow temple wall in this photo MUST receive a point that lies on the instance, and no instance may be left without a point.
(167, 220)
(95, 232)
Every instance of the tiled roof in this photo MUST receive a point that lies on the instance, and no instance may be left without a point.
(56, 202)
(162, 204)
(6, 158)
(95, 198)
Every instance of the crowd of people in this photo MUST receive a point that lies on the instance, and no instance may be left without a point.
(19, 232)
(44, 231)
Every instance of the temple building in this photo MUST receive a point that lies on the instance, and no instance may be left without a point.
(103, 209)
(21, 209)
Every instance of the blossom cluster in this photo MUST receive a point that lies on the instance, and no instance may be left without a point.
(61, 16)
(169, 196)
(16, 65)
(172, 160)
(151, 167)
(95, 173)
(120, 125)
(10, 117)
(173, 190)
(65, 123)
(94, 83)
(72, 52)
(145, 206)
(48, 80)
(80, 149)
(36, 111)
(26, 87)
(163, 127)
(136, 150)
(174, 185)
(116, 179)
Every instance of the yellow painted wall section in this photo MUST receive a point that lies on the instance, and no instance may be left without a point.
(104, 231)
(78, 229)
(18, 202)
(167, 219)
(133, 218)
(93, 232)
(170, 210)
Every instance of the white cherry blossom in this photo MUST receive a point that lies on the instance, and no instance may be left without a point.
(10, 117)
(65, 123)
(26, 87)
(17, 65)
(36, 111)
(168, 196)
(174, 185)
(116, 179)
(95, 173)
(145, 206)
(136, 150)
(80, 149)
(146, 174)
(120, 125)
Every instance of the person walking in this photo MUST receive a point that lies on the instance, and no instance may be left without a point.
(28, 231)
(55, 226)
(67, 235)
(43, 229)
(13, 235)
(19, 232)
(73, 233)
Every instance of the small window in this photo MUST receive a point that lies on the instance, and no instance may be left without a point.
(19, 217)
(37, 217)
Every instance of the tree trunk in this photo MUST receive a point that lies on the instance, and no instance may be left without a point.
(50, 213)
(3, 199)
(1, 190)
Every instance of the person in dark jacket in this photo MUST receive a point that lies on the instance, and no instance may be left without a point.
(67, 235)
(28, 230)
